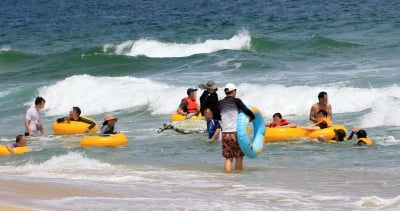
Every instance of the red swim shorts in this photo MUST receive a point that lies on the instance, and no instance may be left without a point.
(230, 145)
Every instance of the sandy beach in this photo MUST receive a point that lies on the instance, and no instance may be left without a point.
(10, 208)
(17, 194)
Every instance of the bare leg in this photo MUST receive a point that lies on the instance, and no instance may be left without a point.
(239, 163)
(228, 164)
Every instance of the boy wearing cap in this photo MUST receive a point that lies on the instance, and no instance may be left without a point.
(188, 104)
(229, 108)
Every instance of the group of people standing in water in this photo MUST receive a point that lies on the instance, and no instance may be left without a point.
(33, 123)
(221, 117)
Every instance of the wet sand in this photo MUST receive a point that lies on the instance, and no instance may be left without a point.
(10, 208)
(16, 194)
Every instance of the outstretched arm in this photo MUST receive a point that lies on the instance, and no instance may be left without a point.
(92, 123)
(40, 126)
(313, 112)
(244, 108)
(355, 130)
(27, 122)
(10, 148)
(329, 111)
(216, 134)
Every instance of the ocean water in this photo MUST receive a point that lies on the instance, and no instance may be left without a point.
(135, 59)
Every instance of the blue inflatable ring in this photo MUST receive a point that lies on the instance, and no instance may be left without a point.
(251, 148)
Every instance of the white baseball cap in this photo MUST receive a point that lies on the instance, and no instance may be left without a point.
(229, 87)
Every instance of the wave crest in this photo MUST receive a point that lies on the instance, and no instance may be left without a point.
(98, 95)
(158, 49)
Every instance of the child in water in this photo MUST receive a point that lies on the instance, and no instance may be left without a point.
(108, 125)
(340, 135)
(362, 139)
(20, 141)
(213, 126)
(322, 122)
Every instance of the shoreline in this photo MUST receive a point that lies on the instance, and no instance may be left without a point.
(13, 208)
(20, 194)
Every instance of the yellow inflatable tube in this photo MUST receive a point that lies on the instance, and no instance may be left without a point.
(104, 141)
(73, 127)
(328, 133)
(180, 117)
(17, 150)
(289, 134)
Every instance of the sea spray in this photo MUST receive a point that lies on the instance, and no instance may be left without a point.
(96, 95)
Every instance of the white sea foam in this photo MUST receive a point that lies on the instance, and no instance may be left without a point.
(386, 141)
(296, 100)
(374, 202)
(158, 49)
(97, 95)
(5, 49)
(7, 92)
(76, 166)
(61, 164)
(2, 139)
(384, 109)
(181, 199)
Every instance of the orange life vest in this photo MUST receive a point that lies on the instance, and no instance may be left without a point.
(192, 105)
(327, 121)
(281, 123)
(367, 141)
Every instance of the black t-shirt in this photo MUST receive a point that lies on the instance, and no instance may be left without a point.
(210, 100)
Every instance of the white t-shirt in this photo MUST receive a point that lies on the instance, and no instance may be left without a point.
(229, 114)
(33, 115)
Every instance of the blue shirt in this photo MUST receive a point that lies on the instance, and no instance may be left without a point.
(212, 126)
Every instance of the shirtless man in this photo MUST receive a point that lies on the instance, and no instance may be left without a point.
(321, 105)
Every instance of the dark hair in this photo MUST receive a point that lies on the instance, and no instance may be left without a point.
(77, 110)
(228, 92)
(18, 138)
(361, 134)
(39, 100)
(340, 133)
(277, 114)
(208, 108)
(321, 95)
(323, 112)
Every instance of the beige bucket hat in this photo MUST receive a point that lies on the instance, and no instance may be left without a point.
(209, 85)
(109, 117)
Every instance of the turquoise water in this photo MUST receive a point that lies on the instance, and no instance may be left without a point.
(136, 60)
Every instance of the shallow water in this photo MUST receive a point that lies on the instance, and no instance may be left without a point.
(136, 60)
